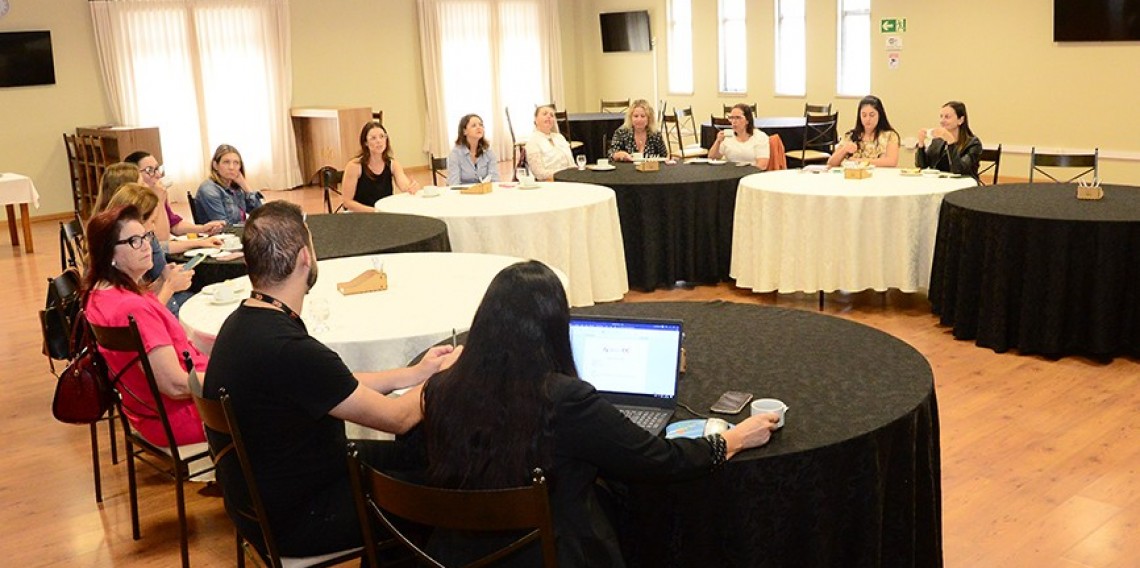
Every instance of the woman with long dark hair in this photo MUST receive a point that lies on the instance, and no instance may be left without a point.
(119, 255)
(513, 402)
(471, 160)
(373, 174)
(873, 140)
(745, 144)
(953, 146)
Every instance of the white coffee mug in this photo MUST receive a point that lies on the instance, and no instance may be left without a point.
(770, 405)
(603, 162)
(224, 293)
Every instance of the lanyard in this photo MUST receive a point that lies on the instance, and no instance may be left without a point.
(262, 297)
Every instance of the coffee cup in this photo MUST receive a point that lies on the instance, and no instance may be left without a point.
(430, 191)
(770, 406)
(224, 293)
(603, 162)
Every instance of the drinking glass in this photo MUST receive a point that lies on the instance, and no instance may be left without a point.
(319, 309)
(581, 162)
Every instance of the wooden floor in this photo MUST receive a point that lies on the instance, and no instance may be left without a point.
(1041, 459)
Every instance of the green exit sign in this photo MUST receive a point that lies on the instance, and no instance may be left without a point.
(892, 25)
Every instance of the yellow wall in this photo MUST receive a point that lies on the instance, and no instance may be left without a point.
(998, 57)
(33, 119)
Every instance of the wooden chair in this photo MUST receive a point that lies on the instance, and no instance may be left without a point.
(438, 168)
(993, 156)
(810, 109)
(173, 461)
(70, 144)
(1087, 162)
(728, 109)
(820, 137)
(616, 106)
(331, 179)
(563, 119)
(240, 486)
(381, 497)
(681, 127)
(515, 144)
(720, 122)
(195, 213)
(72, 245)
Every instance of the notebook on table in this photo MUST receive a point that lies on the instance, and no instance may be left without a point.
(633, 362)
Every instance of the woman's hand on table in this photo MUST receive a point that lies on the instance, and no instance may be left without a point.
(207, 242)
(213, 227)
(753, 432)
(622, 156)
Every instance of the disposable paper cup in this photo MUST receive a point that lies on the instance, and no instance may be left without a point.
(770, 405)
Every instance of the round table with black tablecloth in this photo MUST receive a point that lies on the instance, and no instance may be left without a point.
(1030, 267)
(676, 223)
(852, 479)
(594, 130)
(343, 235)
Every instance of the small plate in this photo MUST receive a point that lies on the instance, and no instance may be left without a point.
(910, 172)
(717, 162)
(203, 251)
(697, 161)
(598, 168)
(535, 185)
(236, 285)
(931, 172)
(217, 302)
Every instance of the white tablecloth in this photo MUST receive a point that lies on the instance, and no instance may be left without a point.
(428, 295)
(569, 226)
(15, 188)
(797, 231)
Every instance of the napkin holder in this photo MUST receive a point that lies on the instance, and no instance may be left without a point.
(860, 171)
(477, 189)
(1091, 192)
(370, 280)
(648, 166)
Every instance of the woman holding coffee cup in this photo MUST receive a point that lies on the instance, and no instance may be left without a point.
(747, 144)
(547, 150)
(638, 135)
(952, 146)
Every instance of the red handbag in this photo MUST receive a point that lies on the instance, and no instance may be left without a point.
(83, 393)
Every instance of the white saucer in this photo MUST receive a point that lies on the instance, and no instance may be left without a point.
(697, 161)
(218, 302)
(717, 162)
(235, 284)
(598, 168)
(530, 186)
(204, 251)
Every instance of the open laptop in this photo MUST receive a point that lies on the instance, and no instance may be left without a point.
(633, 362)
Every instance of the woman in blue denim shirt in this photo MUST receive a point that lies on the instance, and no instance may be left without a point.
(226, 195)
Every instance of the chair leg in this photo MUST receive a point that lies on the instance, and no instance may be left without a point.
(179, 491)
(111, 434)
(133, 490)
(821, 300)
(95, 462)
(240, 550)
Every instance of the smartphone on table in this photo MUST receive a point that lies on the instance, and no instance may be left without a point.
(731, 402)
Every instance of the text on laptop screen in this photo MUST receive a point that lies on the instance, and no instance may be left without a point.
(625, 356)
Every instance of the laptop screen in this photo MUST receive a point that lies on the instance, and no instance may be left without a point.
(627, 356)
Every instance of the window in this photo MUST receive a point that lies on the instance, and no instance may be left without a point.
(681, 47)
(854, 58)
(791, 48)
(733, 47)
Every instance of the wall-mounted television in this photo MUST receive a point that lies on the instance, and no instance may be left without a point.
(1096, 20)
(26, 59)
(626, 31)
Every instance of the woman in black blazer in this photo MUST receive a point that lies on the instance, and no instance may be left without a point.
(953, 147)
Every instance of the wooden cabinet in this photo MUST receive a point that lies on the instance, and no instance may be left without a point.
(120, 141)
(93, 148)
(327, 136)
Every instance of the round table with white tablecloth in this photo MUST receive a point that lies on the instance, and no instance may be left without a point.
(573, 227)
(798, 231)
(428, 295)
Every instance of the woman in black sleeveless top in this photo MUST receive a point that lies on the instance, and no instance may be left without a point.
(374, 174)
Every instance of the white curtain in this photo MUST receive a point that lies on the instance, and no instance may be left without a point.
(482, 56)
(206, 72)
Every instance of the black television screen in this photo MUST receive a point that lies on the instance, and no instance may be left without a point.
(625, 31)
(26, 59)
(1096, 20)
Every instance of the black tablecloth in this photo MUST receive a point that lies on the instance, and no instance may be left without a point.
(790, 129)
(676, 223)
(1032, 268)
(347, 234)
(853, 478)
(593, 130)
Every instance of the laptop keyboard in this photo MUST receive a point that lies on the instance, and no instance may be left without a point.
(647, 419)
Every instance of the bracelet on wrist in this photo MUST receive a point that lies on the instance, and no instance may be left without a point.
(719, 448)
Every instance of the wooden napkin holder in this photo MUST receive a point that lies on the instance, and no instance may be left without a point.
(856, 173)
(370, 280)
(1090, 192)
(477, 189)
(648, 166)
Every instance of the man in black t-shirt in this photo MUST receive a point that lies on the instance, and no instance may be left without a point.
(292, 394)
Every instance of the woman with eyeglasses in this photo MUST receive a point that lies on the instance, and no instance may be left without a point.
(226, 196)
(152, 176)
(872, 140)
(119, 256)
(746, 144)
(373, 174)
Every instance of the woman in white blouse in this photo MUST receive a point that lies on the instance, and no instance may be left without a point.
(746, 143)
(547, 150)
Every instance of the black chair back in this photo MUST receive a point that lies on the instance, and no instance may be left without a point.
(197, 214)
(992, 155)
(331, 179)
(1086, 162)
(438, 168)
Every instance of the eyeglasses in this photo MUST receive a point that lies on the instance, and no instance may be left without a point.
(153, 170)
(137, 241)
